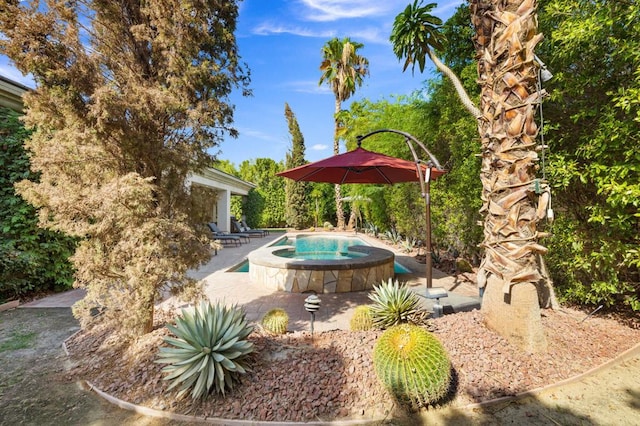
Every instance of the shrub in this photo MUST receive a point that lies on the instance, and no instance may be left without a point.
(412, 364)
(393, 303)
(210, 350)
(32, 259)
(362, 320)
(276, 321)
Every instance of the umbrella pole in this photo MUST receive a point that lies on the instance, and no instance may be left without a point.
(427, 200)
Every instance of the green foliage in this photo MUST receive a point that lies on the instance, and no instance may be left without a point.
(209, 351)
(276, 321)
(362, 319)
(412, 364)
(451, 135)
(31, 258)
(295, 192)
(588, 274)
(592, 126)
(322, 199)
(392, 303)
(415, 33)
(265, 205)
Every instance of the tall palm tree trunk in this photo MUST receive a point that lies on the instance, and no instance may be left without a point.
(514, 201)
(336, 150)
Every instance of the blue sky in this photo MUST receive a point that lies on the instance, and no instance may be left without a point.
(281, 42)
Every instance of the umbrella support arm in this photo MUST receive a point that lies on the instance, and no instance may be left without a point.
(425, 187)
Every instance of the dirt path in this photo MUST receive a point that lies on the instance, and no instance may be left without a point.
(34, 388)
(609, 397)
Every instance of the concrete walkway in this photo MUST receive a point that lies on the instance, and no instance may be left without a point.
(336, 310)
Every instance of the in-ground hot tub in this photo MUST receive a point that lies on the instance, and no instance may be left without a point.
(321, 263)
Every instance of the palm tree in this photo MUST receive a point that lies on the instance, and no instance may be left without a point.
(343, 70)
(512, 271)
(415, 35)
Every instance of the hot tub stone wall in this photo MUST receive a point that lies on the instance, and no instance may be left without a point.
(319, 276)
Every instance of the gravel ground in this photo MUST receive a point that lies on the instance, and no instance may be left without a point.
(332, 376)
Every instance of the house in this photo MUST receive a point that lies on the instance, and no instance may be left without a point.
(222, 185)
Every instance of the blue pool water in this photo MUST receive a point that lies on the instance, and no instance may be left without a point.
(320, 247)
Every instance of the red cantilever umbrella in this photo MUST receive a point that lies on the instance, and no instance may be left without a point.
(359, 166)
(362, 166)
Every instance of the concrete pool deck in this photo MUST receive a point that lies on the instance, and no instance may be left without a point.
(336, 308)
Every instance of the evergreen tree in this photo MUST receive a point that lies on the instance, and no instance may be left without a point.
(130, 95)
(295, 192)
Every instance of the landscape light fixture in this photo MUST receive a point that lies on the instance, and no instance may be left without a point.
(545, 74)
(312, 305)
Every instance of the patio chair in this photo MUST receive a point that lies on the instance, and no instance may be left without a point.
(226, 239)
(246, 227)
(221, 234)
(239, 229)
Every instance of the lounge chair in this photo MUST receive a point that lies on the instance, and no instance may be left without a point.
(239, 229)
(217, 233)
(246, 227)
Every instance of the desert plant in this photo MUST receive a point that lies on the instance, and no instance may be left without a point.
(372, 229)
(327, 226)
(393, 236)
(362, 320)
(393, 303)
(210, 349)
(408, 244)
(412, 364)
(276, 321)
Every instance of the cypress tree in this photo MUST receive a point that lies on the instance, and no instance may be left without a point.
(296, 192)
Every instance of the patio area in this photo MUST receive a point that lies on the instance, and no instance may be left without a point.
(336, 308)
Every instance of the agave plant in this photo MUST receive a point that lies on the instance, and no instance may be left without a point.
(393, 236)
(372, 229)
(209, 351)
(393, 303)
(408, 244)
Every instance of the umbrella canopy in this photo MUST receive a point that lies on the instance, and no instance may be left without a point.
(359, 166)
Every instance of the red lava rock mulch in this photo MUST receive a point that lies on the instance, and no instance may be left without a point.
(332, 377)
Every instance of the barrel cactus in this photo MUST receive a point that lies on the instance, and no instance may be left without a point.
(393, 303)
(362, 319)
(276, 321)
(412, 364)
(209, 351)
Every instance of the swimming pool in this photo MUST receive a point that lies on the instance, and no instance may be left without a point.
(319, 249)
(322, 263)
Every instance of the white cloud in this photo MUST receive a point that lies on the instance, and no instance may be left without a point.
(444, 7)
(257, 134)
(370, 34)
(332, 10)
(309, 86)
(319, 147)
(267, 28)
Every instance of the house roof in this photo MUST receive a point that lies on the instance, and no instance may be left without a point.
(218, 179)
(11, 93)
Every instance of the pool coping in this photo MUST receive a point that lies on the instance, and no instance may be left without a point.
(268, 256)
